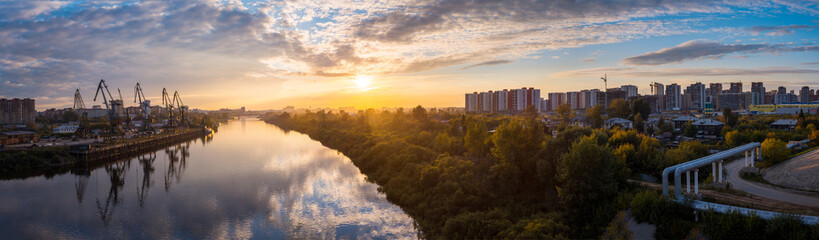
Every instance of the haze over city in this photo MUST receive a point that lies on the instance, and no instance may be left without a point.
(395, 53)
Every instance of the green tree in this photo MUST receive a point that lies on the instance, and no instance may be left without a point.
(730, 118)
(689, 130)
(419, 114)
(565, 112)
(733, 138)
(774, 151)
(619, 108)
(476, 139)
(590, 176)
(639, 124)
(70, 116)
(640, 106)
(595, 116)
(618, 228)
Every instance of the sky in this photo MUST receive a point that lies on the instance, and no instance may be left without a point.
(398, 53)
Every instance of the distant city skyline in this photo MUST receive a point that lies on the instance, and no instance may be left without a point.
(229, 54)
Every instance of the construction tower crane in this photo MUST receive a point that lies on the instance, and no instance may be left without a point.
(181, 107)
(112, 106)
(144, 108)
(166, 100)
(79, 105)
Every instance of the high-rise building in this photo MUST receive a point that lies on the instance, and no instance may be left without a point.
(781, 90)
(804, 94)
(757, 93)
(736, 87)
(471, 100)
(573, 99)
(589, 97)
(631, 91)
(499, 99)
(659, 92)
(712, 94)
(485, 102)
(695, 96)
(556, 99)
(673, 97)
(17, 111)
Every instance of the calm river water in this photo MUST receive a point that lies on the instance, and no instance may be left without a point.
(251, 180)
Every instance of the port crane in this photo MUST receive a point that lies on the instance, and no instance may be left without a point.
(79, 105)
(166, 100)
(181, 107)
(128, 122)
(144, 108)
(111, 105)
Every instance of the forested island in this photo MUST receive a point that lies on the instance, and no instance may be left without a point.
(496, 176)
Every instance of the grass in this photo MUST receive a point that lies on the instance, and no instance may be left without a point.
(803, 152)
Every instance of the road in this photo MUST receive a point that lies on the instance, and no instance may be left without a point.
(763, 190)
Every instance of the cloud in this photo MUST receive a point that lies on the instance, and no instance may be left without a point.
(413, 21)
(14, 10)
(778, 30)
(488, 63)
(678, 72)
(588, 60)
(699, 49)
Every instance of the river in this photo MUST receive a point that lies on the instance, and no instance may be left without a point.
(251, 180)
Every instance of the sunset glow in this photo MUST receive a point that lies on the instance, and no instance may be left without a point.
(267, 55)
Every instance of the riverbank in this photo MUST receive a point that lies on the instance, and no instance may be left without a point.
(45, 160)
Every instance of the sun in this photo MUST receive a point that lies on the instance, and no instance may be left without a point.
(363, 82)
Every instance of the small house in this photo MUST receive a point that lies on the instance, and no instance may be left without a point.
(708, 127)
(784, 124)
(623, 123)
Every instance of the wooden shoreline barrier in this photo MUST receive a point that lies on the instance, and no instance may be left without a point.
(120, 150)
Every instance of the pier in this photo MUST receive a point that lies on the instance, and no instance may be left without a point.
(91, 153)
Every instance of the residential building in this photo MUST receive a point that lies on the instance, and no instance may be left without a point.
(631, 91)
(708, 127)
(695, 97)
(556, 99)
(757, 93)
(781, 90)
(622, 123)
(499, 100)
(471, 100)
(804, 94)
(735, 101)
(573, 99)
(673, 97)
(736, 87)
(784, 124)
(712, 94)
(658, 91)
(680, 121)
(17, 111)
(485, 102)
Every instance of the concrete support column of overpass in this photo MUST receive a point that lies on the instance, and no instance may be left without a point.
(746, 159)
(687, 181)
(753, 157)
(696, 182)
(714, 171)
(720, 171)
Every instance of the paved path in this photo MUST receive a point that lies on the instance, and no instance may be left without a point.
(763, 190)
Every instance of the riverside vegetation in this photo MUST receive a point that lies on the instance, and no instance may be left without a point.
(494, 176)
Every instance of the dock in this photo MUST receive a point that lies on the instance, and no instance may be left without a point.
(91, 153)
